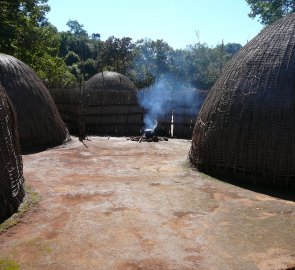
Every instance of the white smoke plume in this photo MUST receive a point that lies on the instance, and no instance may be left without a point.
(165, 95)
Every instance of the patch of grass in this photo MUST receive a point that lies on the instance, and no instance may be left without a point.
(7, 224)
(31, 199)
(9, 265)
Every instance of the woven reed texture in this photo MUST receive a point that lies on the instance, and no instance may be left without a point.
(245, 130)
(11, 167)
(109, 80)
(70, 105)
(111, 106)
(106, 105)
(39, 123)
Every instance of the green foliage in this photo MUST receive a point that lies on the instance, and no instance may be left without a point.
(88, 68)
(26, 34)
(79, 51)
(72, 58)
(54, 72)
(198, 64)
(64, 59)
(151, 59)
(77, 29)
(18, 18)
(116, 54)
(269, 11)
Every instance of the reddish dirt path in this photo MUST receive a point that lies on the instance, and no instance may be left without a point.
(125, 205)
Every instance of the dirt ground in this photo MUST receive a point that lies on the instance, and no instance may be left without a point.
(126, 205)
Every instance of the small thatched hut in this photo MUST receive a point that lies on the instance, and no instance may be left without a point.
(39, 123)
(11, 168)
(246, 127)
(111, 106)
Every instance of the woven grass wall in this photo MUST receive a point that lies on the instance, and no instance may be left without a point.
(245, 130)
(106, 105)
(185, 113)
(11, 167)
(39, 123)
(70, 105)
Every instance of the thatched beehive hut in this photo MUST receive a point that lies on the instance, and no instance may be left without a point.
(11, 169)
(246, 127)
(39, 123)
(111, 106)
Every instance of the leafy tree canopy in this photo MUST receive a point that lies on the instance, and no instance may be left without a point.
(26, 34)
(63, 59)
(76, 28)
(269, 11)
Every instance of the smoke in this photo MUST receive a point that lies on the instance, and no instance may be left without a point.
(166, 95)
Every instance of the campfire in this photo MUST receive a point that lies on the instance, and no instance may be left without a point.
(149, 135)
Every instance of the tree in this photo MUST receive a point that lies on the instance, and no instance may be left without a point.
(79, 50)
(18, 17)
(77, 29)
(151, 60)
(201, 65)
(26, 34)
(269, 11)
(72, 58)
(232, 48)
(116, 54)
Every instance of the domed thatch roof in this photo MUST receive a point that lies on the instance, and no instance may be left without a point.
(111, 105)
(246, 127)
(11, 168)
(39, 123)
(109, 80)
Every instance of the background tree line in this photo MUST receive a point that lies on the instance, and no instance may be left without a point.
(65, 59)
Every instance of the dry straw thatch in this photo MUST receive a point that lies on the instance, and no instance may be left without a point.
(111, 106)
(246, 127)
(11, 168)
(39, 123)
(71, 108)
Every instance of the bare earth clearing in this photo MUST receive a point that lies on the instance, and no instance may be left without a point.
(126, 205)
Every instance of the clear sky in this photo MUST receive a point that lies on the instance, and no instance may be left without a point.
(178, 22)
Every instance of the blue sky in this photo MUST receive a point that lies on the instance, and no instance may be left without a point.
(174, 21)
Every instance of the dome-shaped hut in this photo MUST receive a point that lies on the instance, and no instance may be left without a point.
(246, 127)
(11, 169)
(39, 123)
(111, 106)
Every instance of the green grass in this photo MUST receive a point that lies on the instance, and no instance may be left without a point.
(9, 265)
(31, 199)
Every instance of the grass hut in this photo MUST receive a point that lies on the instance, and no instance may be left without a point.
(39, 123)
(246, 127)
(111, 106)
(11, 168)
